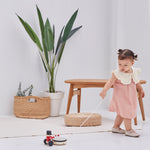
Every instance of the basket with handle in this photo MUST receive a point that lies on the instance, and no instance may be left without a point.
(31, 107)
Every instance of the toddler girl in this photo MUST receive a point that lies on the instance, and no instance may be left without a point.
(125, 83)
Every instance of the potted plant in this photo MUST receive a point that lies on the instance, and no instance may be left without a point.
(51, 55)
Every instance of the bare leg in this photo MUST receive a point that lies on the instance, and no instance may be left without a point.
(118, 121)
(129, 131)
(128, 125)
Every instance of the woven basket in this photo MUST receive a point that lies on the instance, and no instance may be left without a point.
(76, 119)
(32, 107)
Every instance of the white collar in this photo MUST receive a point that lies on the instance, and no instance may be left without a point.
(126, 78)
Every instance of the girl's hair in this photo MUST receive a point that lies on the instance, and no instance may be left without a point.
(126, 53)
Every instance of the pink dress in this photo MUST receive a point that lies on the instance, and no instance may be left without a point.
(124, 99)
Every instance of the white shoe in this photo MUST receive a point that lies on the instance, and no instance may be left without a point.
(131, 133)
(118, 130)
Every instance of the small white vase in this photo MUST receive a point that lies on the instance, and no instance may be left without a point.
(56, 100)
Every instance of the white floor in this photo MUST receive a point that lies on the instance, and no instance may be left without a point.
(96, 141)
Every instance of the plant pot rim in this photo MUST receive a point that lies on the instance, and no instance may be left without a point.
(53, 92)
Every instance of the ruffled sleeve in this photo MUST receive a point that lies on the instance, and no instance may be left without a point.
(116, 73)
(136, 72)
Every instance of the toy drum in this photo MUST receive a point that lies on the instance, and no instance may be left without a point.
(59, 141)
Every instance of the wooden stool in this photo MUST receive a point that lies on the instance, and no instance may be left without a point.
(77, 84)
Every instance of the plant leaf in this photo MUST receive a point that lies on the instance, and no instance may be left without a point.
(43, 64)
(59, 40)
(69, 26)
(73, 31)
(27, 29)
(61, 52)
(41, 23)
(31, 33)
(48, 37)
(53, 36)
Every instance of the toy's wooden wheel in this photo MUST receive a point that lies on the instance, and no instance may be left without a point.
(44, 141)
(50, 143)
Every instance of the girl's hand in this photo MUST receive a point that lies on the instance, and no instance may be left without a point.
(142, 93)
(140, 89)
(103, 94)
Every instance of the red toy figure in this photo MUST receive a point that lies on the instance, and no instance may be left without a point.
(49, 138)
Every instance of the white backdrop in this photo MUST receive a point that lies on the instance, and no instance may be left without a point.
(90, 53)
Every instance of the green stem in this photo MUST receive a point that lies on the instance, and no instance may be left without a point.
(52, 83)
(50, 74)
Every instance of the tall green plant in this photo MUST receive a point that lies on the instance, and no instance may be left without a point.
(50, 55)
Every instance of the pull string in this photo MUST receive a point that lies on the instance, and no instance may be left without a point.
(88, 117)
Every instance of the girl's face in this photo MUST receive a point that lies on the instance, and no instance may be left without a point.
(125, 65)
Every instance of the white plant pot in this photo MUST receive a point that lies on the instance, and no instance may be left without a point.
(56, 100)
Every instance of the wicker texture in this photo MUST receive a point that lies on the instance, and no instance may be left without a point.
(38, 109)
(76, 119)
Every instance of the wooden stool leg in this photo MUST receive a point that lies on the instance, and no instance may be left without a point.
(135, 121)
(141, 105)
(79, 99)
(69, 98)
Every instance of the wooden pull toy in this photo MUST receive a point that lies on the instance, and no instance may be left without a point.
(53, 139)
